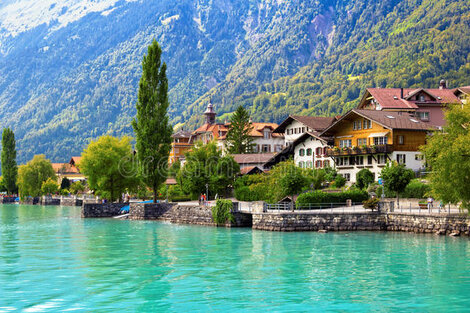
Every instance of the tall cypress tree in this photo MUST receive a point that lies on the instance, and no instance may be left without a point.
(9, 166)
(151, 125)
(239, 139)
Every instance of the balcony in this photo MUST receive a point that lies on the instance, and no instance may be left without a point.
(333, 152)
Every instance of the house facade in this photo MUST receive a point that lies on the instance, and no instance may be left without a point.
(69, 170)
(179, 145)
(425, 104)
(311, 151)
(371, 138)
(264, 139)
(295, 126)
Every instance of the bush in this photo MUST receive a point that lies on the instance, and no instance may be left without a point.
(339, 182)
(180, 198)
(64, 192)
(338, 197)
(416, 189)
(222, 212)
(244, 193)
(371, 204)
(364, 178)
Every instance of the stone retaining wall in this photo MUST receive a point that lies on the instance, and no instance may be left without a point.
(7, 199)
(31, 200)
(71, 202)
(102, 209)
(433, 223)
(318, 221)
(179, 214)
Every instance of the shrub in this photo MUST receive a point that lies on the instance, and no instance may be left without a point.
(64, 192)
(416, 189)
(364, 178)
(222, 212)
(180, 198)
(244, 193)
(339, 182)
(338, 197)
(371, 204)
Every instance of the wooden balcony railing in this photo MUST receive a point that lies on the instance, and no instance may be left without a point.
(359, 150)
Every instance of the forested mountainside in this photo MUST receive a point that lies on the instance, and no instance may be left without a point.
(69, 69)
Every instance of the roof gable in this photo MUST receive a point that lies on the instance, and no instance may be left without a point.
(316, 123)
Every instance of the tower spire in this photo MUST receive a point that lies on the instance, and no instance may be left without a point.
(210, 113)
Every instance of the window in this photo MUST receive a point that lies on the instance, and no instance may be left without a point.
(345, 143)
(301, 164)
(303, 130)
(369, 160)
(362, 142)
(309, 152)
(401, 140)
(318, 151)
(401, 158)
(424, 116)
(367, 124)
(421, 98)
(267, 133)
(325, 150)
(266, 148)
(381, 159)
(347, 176)
(301, 152)
(309, 164)
(318, 164)
(278, 148)
(419, 157)
(380, 140)
(343, 161)
(359, 160)
(326, 163)
(355, 126)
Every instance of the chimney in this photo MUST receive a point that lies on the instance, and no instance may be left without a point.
(442, 84)
(401, 93)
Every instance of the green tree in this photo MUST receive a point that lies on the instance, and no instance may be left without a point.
(205, 165)
(293, 181)
(32, 175)
(65, 183)
(49, 187)
(239, 138)
(396, 177)
(77, 187)
(108, 165)
(9, 166)
(447, 154)
(364, 178)
(2, 185)
(151, 125)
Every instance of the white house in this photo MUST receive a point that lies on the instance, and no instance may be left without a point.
(310, 151)
(295, 126)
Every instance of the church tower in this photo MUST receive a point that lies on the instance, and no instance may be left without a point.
(210, 114)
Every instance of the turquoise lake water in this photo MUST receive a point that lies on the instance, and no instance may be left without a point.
(52, 260)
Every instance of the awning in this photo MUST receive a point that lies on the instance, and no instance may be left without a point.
(379, 134)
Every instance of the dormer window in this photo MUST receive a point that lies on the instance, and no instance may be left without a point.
(422, 98)
(267, 133)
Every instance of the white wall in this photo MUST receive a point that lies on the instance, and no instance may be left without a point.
(291, 138)
(310, 143)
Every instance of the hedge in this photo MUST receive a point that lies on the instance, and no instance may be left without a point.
(339, 197)
(416, 189)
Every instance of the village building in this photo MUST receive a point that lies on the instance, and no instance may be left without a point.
(371, 138)
(463, 93)
(264, 140)
(179, 146)
(295, 126)
(69, 170)
(425, 104)
(310, 151)
(252, 163)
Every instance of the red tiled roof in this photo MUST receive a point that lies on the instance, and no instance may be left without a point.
(252, 158)
(390, 98)
(65, 168)
(250, 169)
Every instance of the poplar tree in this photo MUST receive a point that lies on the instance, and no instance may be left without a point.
(151, 125)
(239, 138)
(9, 166)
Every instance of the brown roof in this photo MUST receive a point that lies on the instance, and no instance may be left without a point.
(250, 170)
(217, 130)
(64, 168)
(464, 89)
(316, 123)
(390, 120)
(181, 134)
(257, 130)
(390, 98)
(75, 160)
(252, 158)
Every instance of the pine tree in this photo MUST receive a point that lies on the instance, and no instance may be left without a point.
(151, 125)
(9, 166)
(239, 139)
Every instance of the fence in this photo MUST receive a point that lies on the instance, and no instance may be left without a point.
(325, 207)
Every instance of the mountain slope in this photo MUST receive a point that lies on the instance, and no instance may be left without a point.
(69, 69)
(383, 44)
